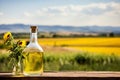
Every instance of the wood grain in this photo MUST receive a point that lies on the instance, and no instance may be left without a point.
(65, 76)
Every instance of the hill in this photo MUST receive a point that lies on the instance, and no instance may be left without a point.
(58, 28)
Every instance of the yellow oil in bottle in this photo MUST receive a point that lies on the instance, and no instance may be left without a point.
(33, 63)
(33, 56)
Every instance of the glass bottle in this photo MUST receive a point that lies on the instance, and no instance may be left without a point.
(33, 56)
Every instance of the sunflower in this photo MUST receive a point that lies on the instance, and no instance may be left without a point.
(7, 36)
(21, 43)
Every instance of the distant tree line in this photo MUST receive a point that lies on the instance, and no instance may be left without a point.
(61, 35)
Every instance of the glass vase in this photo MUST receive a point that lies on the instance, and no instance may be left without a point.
(18, 68)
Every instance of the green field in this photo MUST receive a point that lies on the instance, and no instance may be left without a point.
(71, 61)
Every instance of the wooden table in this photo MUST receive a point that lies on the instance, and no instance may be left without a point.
(65, 76)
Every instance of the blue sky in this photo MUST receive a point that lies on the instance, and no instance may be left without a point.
(61, 12)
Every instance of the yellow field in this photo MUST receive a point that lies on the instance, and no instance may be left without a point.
(81, 41)
(95, 45)
(103, 50)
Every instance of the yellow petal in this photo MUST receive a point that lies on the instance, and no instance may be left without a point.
(21, 43)
(7, 35)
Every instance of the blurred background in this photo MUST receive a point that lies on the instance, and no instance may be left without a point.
(76, 35)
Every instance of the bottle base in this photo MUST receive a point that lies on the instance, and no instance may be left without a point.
(32, 74)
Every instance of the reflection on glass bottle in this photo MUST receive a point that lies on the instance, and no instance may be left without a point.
(33, 53)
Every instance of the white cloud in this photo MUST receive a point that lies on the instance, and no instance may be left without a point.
(1, 14)
(28, 14)
(102, 14)
(91, 9)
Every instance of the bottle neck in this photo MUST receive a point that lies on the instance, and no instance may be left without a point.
(33, 38)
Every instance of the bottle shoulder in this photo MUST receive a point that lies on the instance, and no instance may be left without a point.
(33, 47)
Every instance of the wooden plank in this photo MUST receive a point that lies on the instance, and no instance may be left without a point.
(65, 76)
